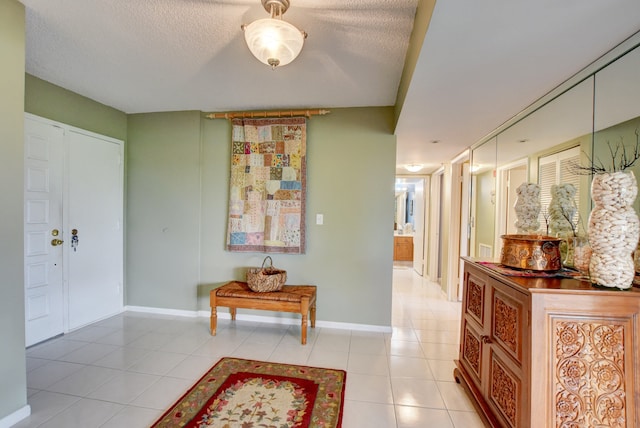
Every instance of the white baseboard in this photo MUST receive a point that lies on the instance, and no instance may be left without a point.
(260, 318)
(15, 417)
(162, 311)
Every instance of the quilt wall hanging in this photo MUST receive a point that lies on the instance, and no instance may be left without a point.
(267, 185)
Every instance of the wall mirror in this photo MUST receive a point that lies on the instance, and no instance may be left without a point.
(544, 146)
(617, 109)
(549, 141)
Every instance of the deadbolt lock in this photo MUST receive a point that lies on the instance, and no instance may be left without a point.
(54, 232)
(56, 242)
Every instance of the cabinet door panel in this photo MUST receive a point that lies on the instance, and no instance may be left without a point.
(471, 351)
(591, 380)
(510, 316)
(505, 390)
(475, 292)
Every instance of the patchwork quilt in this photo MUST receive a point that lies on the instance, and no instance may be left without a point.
(267, 186)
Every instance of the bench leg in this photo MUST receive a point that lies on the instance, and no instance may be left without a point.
(304, 329)
(233, 313)
(214, 320)
(304, 311)
(313, 315)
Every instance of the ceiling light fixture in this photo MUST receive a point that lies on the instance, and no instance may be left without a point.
(414, 167)
(271, 40)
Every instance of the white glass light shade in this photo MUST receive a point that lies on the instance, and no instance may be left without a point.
(413, 167)
(273, 41)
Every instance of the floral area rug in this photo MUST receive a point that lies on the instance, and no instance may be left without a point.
(251, 394)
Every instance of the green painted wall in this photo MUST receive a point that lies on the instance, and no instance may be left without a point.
(177, 170)
(53, 102)
(13, 381)
(177, 206)
(163, 210)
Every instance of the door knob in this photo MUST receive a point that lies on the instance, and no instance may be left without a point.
(56, 242)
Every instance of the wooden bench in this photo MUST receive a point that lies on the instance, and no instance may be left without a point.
(291, 298)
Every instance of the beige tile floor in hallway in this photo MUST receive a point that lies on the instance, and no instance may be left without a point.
(124, 371)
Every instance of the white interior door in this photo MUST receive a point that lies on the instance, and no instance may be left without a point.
(418, 235)
(95, 206)
(43, 268)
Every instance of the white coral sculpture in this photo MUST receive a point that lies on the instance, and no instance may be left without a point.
(527, 207)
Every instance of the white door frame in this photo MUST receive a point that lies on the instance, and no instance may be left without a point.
(434, 224)
(465, 224)
(421, 217)
(421, 229)
(455, 226)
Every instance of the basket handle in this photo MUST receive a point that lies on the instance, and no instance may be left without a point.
(265, 260)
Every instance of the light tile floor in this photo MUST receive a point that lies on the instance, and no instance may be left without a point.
(126, 370)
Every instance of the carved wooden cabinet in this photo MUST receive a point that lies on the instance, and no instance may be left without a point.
(549, 352)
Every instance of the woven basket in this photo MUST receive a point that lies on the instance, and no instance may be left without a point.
(265, 279)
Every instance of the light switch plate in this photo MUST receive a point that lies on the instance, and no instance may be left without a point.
(319, 219)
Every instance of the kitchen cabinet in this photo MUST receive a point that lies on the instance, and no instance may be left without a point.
(548, 352)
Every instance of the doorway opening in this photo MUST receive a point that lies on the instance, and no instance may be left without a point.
(409, 223)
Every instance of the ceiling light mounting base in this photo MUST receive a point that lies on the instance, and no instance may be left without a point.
(279, 7)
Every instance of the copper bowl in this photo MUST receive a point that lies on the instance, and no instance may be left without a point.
(531, 252)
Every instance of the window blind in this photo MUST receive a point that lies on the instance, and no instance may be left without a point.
(557, 169)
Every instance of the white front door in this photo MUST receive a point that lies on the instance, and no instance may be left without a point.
(73, 228)
(43, 269)
(94, 207)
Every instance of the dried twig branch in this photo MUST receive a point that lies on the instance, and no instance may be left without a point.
(545, 217)
(569, 220)
(621, 159)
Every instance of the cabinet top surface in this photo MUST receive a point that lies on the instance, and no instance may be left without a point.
(541, 284)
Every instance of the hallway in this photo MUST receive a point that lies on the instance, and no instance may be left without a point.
(124, 371)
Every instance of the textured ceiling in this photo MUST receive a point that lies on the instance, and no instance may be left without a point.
(164, 55)
(481, 61)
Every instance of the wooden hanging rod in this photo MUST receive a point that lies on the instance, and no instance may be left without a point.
(252, 114)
